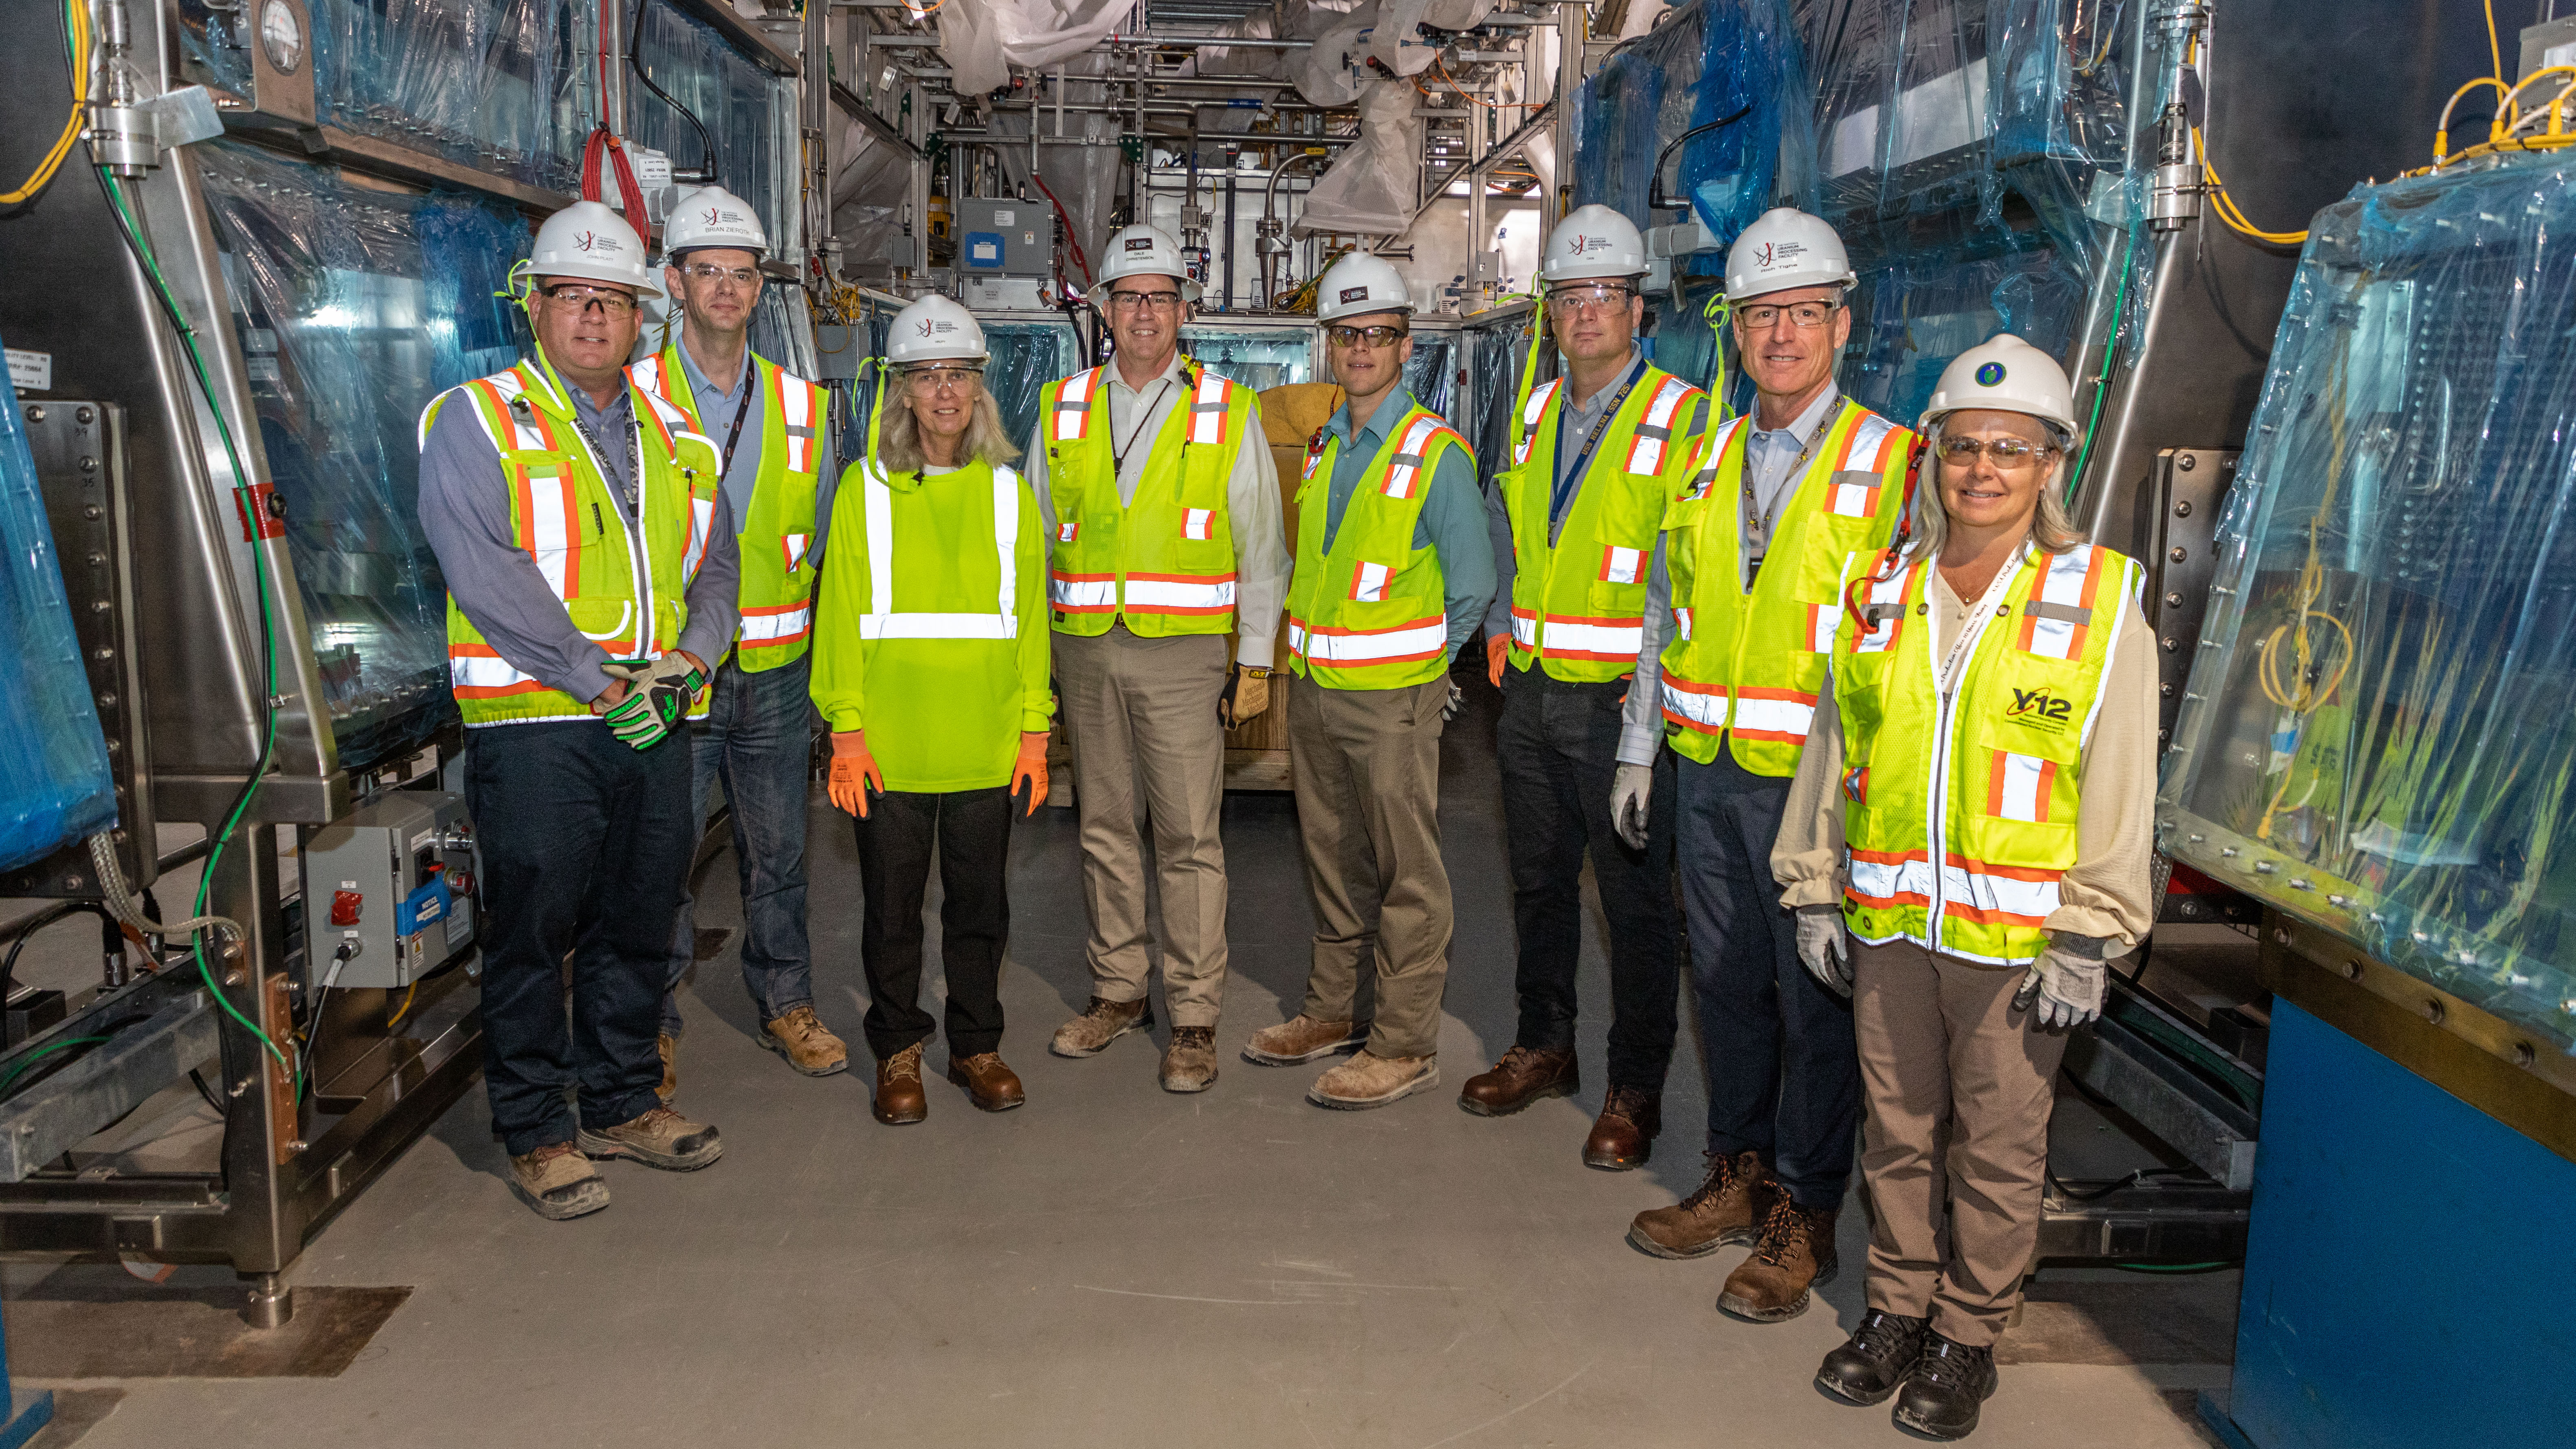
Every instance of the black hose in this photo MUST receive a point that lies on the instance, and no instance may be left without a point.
(1657, 200)
(706, 144)
(60, 910)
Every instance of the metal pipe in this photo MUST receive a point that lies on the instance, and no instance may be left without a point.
(1208, 42)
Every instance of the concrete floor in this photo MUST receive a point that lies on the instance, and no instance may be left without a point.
(1110, 1264)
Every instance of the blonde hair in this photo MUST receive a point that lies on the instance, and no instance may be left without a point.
(2051, 529)
(899, 436)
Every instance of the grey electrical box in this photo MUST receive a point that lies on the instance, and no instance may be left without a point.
(2552, 42)
(395, 881)
(999, 237)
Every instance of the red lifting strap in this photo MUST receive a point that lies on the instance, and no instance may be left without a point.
(603, 139)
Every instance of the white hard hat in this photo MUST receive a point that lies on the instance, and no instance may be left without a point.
(1782, 249)
(1141, 251)
(1593, 242)
(588, 241)
(2007, 375)
(712, 217)
(1358, 284)
(934, 329)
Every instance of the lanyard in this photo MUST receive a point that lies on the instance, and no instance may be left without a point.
(1971, 623)
(1757, 518)
(599, 455)
(1600, 425)
(724, 463)
(1145, 414)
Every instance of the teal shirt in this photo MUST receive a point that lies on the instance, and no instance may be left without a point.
(1452, 524)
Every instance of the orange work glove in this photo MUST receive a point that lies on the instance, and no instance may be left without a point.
(854, 773)
(1498, 647)
(1031, 768)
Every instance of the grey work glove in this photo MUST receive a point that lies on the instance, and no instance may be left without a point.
(1631, 787)
(657, 698)
(1824, 948)
(1457, 698)
(2065, 986)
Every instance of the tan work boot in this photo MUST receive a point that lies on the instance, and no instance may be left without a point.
(1795, 1253)
(899, 1098)
(1302, 1038)
(1189, 1063)
(660, 1138)
(668, 1045)
(1101, 1023)
(1727, 1208)
(808, 1045)
(1370, 1080)
(558, 1182)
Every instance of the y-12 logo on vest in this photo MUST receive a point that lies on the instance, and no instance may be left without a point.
(2041, 709)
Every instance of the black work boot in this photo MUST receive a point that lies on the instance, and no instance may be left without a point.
(1947, 1385)
(1880, 1353)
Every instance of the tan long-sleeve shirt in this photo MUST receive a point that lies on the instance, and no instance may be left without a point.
(2107, 892)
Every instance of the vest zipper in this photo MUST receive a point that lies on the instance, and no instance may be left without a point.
(647, 628)
(1943, 739)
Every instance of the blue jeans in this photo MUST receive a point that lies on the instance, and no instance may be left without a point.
(758, 738)
(585, 846)
(1783, 1066)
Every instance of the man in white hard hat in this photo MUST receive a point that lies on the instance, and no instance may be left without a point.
(1777, 504)
(1577, 622)
(1393, 573)
(768, 428)
(1162, 511)
(588, 587)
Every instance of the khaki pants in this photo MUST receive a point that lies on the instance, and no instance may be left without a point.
(1149, 753)
(1955, 1149)
(1366, 764)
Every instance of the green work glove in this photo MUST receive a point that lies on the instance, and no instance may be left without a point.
(657, 698)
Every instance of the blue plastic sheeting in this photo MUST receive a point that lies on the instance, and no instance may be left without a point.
(1704, 62)
(749, 114)
(1026, 357)
(54, 782)
(2376, 735)
(355, 307)
(1910, 317)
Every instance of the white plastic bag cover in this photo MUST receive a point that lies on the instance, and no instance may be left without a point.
(1324, 77)
(983, 39)
(1369, 190)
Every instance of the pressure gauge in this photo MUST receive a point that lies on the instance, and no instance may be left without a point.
(281, 36)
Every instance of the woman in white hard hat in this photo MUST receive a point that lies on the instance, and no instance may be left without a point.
(930, 667)
(1966, 842)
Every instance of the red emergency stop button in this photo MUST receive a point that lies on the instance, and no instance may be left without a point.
(344, 907)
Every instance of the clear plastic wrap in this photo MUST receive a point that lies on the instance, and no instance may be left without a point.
(2376, 736)
(1260, 358)
(750, 115)
(54, 782)
(1704, 62)
(1912, 314)
(355, 306)
(1373, 188)
(498, 85)
(1026, 356)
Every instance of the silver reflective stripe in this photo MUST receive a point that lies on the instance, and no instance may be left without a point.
(881, 621)
(2063, 613)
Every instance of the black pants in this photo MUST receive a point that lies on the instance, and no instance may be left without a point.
(1559, 748)
(585, 844)
(971, 832)
(1783, 1068)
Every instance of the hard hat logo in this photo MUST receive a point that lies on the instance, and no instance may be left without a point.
(715, 216)
(586, 241)
(1355, 294)
(1592, 244)
(1990, 374)
(1140, 244)
(1785, 249)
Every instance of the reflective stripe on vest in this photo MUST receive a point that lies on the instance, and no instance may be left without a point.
(777, 624)
(1073, 405)
(1207, 409)
(795, 402)
(1405, 469)
(1531, 412)
(1655, 431)
(1331, 648)
(1367, 611)
(883, 621)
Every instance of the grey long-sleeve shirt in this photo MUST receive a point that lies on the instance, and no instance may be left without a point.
(1447, 524)
(465, 511)
(717, 403)
(1641, 726)
(1251, 502)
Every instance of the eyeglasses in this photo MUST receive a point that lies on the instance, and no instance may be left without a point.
(1144, 301)
(1566, 301)
(1373, 336)
(710, 272)
(927, 381)
(615, 304)
(2009, 454)
(1802, 314)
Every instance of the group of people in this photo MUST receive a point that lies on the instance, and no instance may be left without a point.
(1863, 692)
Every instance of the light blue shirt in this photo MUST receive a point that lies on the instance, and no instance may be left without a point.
(1452, 521)
(716, 407)
(1770, 472)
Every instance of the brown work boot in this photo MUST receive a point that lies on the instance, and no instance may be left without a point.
(1303, 1039)
(808, 1045)
(660, 1138)
(1736, 1196)
(1189, 1063)
(558, 1182)
(668, 1044)
(1370, 1080)
(1623, 1136)
(1796, 1252)
(899, 1096)
(1101, 1023)
(1523, 1076)
(989, 1084)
